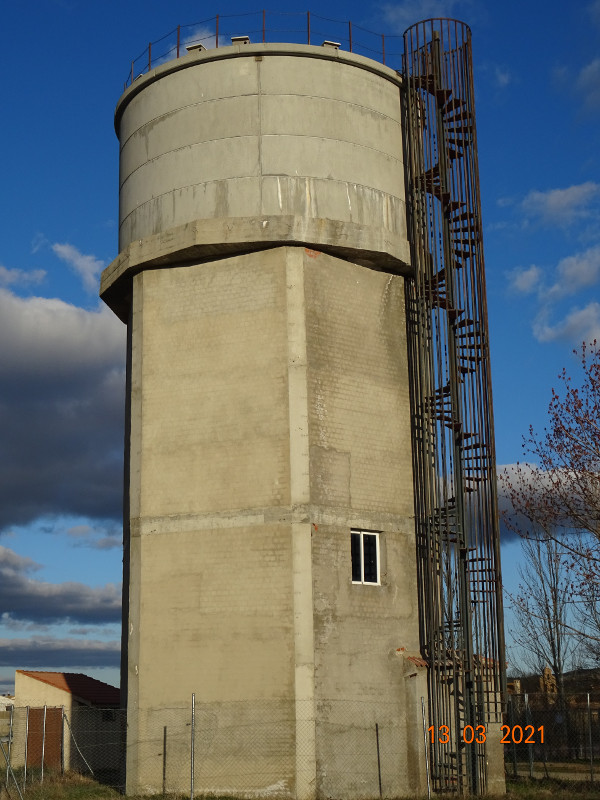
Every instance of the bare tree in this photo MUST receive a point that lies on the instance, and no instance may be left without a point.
(541, 609)
(556, 504)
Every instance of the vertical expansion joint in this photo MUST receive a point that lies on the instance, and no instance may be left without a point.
(454, 470)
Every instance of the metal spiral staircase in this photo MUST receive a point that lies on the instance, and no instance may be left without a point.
(453, 460)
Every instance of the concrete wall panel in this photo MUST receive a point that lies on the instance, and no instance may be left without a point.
(205, 121)
(171, 93)
(358, 383)
(328, 78)
(222, 159)
(214, 385)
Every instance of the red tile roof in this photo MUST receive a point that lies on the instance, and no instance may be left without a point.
(82, 687)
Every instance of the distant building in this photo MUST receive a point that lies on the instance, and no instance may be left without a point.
(68, 689)
(6, 700)
(68, 719)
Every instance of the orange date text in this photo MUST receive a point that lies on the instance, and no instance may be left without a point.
(469, 734)
(516, 734)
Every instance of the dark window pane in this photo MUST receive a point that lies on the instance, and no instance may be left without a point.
(370, 556)
(355, 548)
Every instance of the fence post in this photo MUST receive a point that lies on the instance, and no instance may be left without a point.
(378, 758)
(164, 760)
(9, 770)
(10, 738)
(44, 743)
(426, 747)
(149, 56)
(26, 743)
(217, 32)
(511, 722)
(192, 746)
(264, 12)
(529, 746)
(589, 715)
(308, 26)
(350, 33)
(62, 741)
(178, 38)
(383, 48)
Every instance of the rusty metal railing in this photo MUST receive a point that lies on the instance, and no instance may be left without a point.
(453, 443)
(267, 26)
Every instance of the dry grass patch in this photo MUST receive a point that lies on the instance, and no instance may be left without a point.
(77, 787)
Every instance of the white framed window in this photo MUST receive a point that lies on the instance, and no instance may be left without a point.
(364, 549)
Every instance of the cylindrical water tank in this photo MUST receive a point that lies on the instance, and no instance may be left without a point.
(263, 144)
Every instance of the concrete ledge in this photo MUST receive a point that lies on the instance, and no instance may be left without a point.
(274, 515)
(209, 239)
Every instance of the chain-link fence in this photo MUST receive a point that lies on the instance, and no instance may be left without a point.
(263, 747)
(45, 741)
(270, 747)
(350, 748)
(553, 735)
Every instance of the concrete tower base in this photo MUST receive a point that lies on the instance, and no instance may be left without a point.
(269, 418)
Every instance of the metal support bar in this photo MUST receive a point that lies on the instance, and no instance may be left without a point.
(44, 742)
(192, 746)
(26, 743)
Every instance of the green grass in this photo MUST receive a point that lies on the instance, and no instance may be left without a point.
(557, 789)
(77, 787)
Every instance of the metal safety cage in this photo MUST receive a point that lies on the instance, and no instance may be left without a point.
(460, 603)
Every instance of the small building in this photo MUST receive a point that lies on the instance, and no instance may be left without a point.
(6, 702)
(68, 720)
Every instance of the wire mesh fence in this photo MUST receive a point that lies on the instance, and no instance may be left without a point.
(269, 747)
(553, 735)
(352, 748)
(46, 741)
(241, 748)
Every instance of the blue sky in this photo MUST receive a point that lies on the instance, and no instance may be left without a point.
(537, 77)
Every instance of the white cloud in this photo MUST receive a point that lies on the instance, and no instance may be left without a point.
(573, 274)
(21, 277)
(561, 206)
(15, 563)
(22, 626)
(87, 267)
(524, 280)
(576, 272)
(48, 652)
(503, 77)
(62, 387)
(579, 325)
(199, 35)
(39, 241)
(511, 475)
(96, 538)
(78, 531)
(49, 334)
(402, 15)
(588, 83)
(25, 598)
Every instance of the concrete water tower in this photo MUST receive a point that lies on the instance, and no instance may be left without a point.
(270, 552)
